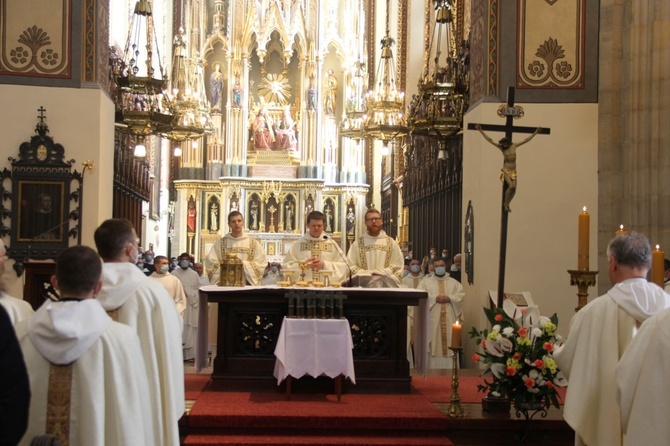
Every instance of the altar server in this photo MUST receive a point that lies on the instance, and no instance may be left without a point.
(375, 258)
(133, 299)
(247, 249)
(316, 252)
(190, 281)
(86, 371)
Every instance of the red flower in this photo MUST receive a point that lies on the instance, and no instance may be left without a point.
(484, 343)
(522, 332)
(539, 364)
(550, 385)
(517, 356)
(511, 371)
(475, 358)
(529, 382)
(498, 317)
(548, 346)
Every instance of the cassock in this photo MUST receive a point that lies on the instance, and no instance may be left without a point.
(247, 249)
(307, 247)
(76, 354)
(146, 307)
(190, 281)
(17, 309)
(174, 288)
(599, 334)
(442, 316)
(642, 381)
(376, 262)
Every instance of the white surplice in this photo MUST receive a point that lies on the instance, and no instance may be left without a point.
(307, 247)
(248, 249)
(376, 262)
(146, 307)
(442, 316)
(174, 287)
(108, 399)
(17, 309)
(642, 381)
(599, 334)
(190, 280)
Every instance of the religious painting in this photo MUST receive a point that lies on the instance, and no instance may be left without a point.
(213, 214)
(271, 214)
(254, 215)
(289, 213)
(41, 212)
(330, 212)
(191, 214)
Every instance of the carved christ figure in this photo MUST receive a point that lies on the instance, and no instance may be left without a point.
(509, 174)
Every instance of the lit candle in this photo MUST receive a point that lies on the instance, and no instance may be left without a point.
(583, 241)
(657, 269)
(456, 335)
(621, 231)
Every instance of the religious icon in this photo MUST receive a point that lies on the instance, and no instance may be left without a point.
(191, 215)
(213, 216)
(290, 212)
(351, 221)
(253, 213)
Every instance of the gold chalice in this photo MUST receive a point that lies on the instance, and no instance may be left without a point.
(326, 277)
(288, 273)
(303, 267)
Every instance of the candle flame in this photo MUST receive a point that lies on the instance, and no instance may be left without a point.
(621, 227)
(584, 208)
(658, 247)
(457, 323)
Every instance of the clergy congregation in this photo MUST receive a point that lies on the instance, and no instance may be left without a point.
(180, 172)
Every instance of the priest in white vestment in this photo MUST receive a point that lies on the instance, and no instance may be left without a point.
(131, 298)
(599, 334)
(445, 300)
(317, 252)
(375, 258)
(249, 250)
(172, 285)
(17, 309)
(87, 379)
(191, 283)
(642, 381)
(415, 276)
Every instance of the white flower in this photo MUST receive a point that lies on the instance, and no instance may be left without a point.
(543, 321)
(535, 333)
(560, 380)
(508, 332)
(495, 394)
(498, 370)
(534, 374)
(496, 328)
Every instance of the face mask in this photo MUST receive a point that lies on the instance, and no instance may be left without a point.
(184, 264)
(165, 269)
(273, 269)
(440, 270)
(415, 268)
(148, 258)
(444, 254)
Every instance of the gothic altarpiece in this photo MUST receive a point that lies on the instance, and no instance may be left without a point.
(278, 75)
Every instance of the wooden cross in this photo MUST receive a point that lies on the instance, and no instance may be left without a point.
(509, 112)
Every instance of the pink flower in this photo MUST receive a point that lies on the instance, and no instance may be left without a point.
(511, 371)
(548, 346)
(539, 364)
(498, 317)
(475, 358)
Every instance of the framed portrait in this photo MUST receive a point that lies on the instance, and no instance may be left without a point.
(41, 212)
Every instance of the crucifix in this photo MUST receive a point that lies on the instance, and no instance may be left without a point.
(509, 175)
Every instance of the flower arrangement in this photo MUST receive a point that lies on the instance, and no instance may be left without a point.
(518, 353)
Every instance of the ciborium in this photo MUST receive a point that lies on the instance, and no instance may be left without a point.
(231, 271)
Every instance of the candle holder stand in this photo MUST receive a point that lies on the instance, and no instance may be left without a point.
(583, 279)
(455, 408)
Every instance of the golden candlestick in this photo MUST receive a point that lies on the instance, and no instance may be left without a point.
(583, 279)
(455, 408)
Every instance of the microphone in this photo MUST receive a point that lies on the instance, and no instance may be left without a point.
(339, 251)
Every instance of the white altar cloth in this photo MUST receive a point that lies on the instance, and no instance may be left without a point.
(314, 347)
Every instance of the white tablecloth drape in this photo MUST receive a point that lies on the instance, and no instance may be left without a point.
(314, 347)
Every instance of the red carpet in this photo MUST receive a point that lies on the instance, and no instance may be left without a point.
(194, 385)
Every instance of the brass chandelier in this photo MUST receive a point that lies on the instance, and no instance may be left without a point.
(437, 110)
(385, 118)
(142, 81)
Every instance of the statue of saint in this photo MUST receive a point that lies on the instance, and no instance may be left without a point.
(264, 137)
(214, 217)
(329, 92)
(216, 87)
(190, 216)
(351, 220)
(285, 132)
(237, 95)
(311, 96)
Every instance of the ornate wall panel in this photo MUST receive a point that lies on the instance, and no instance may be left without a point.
(484, 42)
(551, 44)
(35, 38)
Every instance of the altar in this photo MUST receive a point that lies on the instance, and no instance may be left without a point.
(250, 318)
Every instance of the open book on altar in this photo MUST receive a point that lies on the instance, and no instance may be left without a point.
(520, 298)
